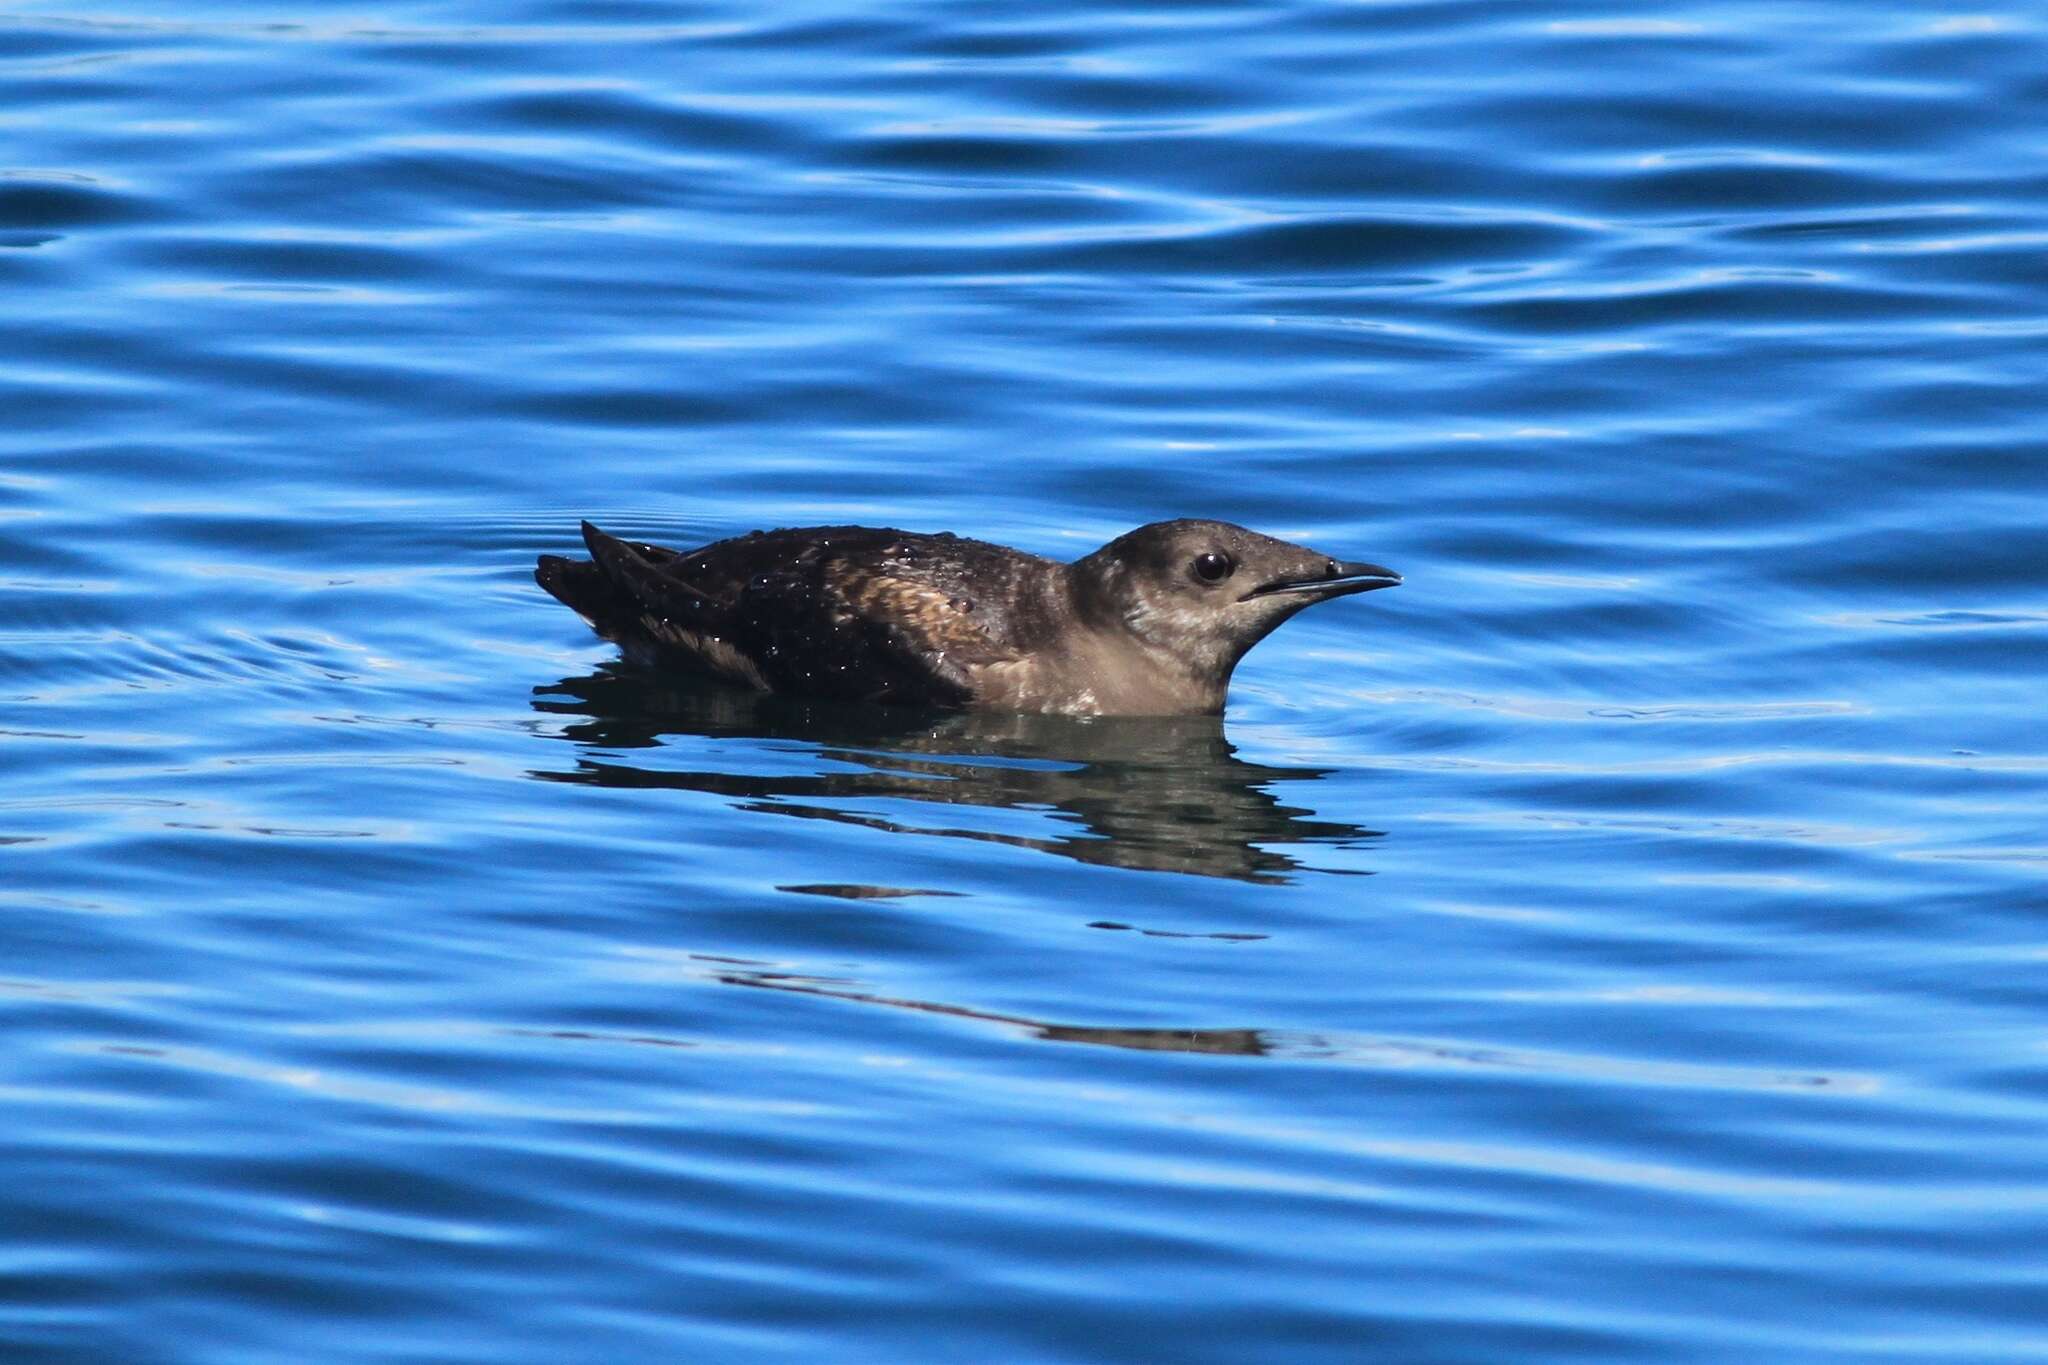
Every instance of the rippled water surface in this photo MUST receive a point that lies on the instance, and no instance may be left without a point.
(1625, 940)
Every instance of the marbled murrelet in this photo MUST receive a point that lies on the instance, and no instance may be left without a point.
(1152, 623)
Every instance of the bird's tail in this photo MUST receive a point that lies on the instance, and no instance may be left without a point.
(624, 589)
(582, 587)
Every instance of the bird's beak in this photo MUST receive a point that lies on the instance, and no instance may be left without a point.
(1337, 580)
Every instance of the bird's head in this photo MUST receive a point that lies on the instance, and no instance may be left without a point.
(1204, 592)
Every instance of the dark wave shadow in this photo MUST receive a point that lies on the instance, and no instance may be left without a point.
(1295, 1045)
(1232, 1042)
(1156, 794)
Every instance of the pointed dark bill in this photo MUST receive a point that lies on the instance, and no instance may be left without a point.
(1338, 579)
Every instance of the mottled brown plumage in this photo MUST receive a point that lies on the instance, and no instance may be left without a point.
(1152, 623)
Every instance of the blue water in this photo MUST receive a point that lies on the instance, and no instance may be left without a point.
(1627, 940)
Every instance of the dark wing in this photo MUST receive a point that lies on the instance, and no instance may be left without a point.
(875, 614)
(853, 624)
(839, 611)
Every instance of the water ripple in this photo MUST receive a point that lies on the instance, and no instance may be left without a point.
(1621, 941)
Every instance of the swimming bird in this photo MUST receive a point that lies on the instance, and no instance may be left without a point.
(1153, 623)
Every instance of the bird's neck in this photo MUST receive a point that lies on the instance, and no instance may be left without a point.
(1128, 673)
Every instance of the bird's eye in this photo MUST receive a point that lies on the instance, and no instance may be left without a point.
(1213, 567)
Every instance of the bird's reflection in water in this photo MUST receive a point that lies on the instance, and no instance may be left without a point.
(1164, 795)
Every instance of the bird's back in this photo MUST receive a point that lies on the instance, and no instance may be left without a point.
(871, 613)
